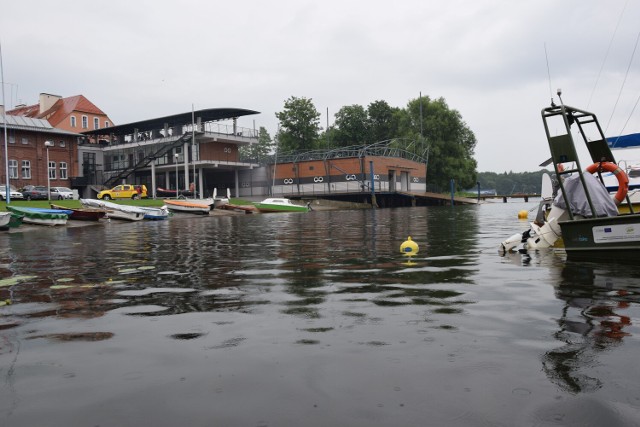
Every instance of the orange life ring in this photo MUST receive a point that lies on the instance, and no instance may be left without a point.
(623, 179)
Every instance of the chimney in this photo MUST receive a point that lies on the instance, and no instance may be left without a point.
(47, 100)
(1, 109)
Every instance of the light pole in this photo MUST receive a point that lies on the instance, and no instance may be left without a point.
(176, 156)
(48, 144)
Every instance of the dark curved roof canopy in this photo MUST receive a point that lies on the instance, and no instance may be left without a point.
(182, 119)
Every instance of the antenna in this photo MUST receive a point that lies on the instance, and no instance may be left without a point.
(549, 74)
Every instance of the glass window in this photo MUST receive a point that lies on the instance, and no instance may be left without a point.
(13, 169)
(25, 140)
(63, 170)
(26, 169)
(96, 123)
(62, 143)
(52, 170)
(107, 124)
(73, 121)
(85, 122)
(12, 140)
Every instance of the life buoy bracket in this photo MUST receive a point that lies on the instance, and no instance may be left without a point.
(623, 179)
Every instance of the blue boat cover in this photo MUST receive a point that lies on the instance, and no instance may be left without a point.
(624, 141)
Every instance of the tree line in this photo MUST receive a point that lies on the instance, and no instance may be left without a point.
(508, 183)
(426, 127)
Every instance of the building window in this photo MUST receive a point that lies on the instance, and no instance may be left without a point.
(12, 140)
(26, 169)
(13, 169)
(85, 122)
(62, 144)
(63, 170)
(52, 170)
(96, 123)
(25, 140)
(73, 121)
(107, 124)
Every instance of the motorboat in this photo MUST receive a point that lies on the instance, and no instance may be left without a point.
(193, 206)
(583, 218)
(114, 210)
(41, 216)
(280, 205)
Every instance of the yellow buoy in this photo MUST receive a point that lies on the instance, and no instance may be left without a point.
(523, 214)
(409, 248)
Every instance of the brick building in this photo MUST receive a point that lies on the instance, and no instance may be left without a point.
(27, 153)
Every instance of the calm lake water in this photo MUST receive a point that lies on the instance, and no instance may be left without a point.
(313, 320)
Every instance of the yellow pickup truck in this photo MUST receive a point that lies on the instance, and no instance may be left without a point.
(124, 191)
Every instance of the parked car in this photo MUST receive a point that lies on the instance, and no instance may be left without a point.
(34, 192)
(124, 191)
(61, 193)
(13, 193)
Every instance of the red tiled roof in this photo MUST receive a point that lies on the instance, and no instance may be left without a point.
(60, 110)
(27, 111)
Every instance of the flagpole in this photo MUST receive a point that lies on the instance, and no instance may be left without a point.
(4, 122)
(193, 150)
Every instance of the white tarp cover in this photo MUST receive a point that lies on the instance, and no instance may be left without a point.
(602, 200)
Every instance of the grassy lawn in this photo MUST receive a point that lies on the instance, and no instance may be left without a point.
(76, 203)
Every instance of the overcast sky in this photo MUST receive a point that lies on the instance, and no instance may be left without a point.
(138, 60)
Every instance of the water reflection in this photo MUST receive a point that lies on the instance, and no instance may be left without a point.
(317, 311)
(595, 319)
(239, 263)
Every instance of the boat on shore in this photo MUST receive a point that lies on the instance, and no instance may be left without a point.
(193, 206)
(583, 218)
(83, 214)
(219, 201)
(15, 221)
(5, 218)
(41, 216)
(155, 213)
(114, 210)
(280, 205)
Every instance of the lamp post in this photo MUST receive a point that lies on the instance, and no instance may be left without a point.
(176, 156)
(48, 144)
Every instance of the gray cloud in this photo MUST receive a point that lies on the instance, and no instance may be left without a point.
(142, 59)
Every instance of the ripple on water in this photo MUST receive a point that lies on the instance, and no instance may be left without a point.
(151, 291)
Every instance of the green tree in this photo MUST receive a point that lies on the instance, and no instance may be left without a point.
(383, 121)
(299, 125)
(259, 151)
(451, 143)
(352, 126)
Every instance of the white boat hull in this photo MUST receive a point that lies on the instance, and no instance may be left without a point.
(115, 211)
